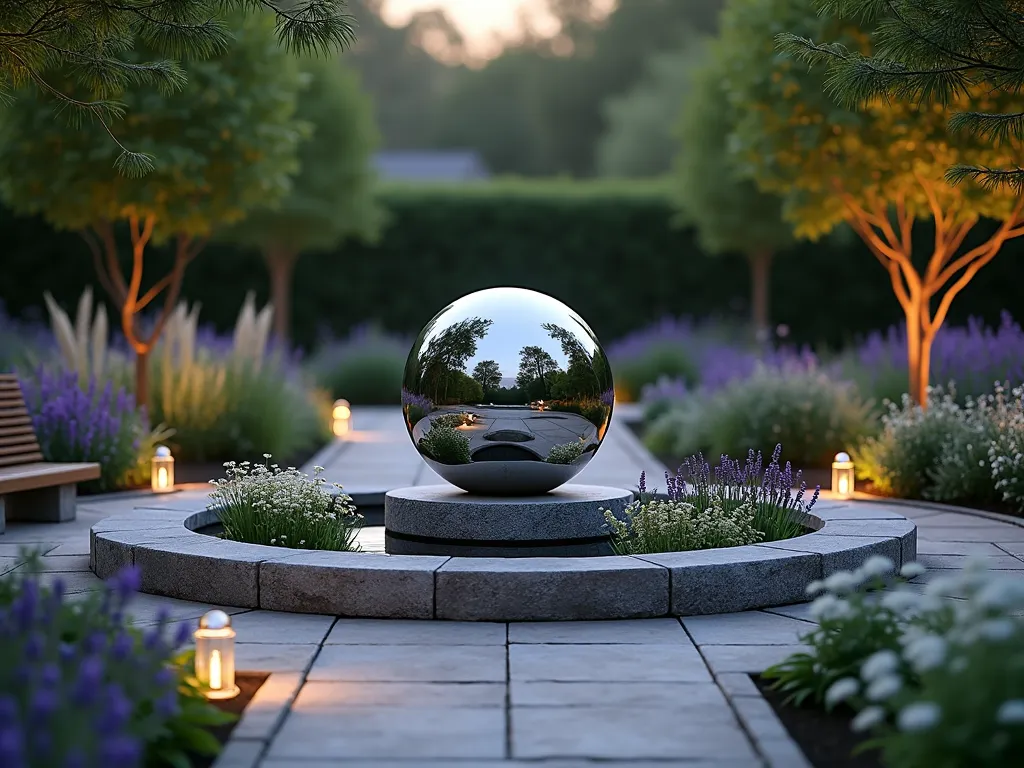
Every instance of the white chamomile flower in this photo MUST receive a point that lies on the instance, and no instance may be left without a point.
(842, 582)
(925, 652)
(877, 566)
(1011, 712)
(920, 716)
(841, 690)
(814, 588)
(912, 570)
(879, 664)
(867, 719)
(884, 688)
(997, 629)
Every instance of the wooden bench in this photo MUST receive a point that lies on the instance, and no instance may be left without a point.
(31, 489)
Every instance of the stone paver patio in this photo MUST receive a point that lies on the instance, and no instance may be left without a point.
(654, 692)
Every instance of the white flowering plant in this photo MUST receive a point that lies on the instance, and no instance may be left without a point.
(566, 453)
(936, 677)
(677, 526)
(969, 454)
(265, 504)
(855, 620)
(733, 504)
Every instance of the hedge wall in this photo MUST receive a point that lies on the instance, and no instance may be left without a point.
(610, 250)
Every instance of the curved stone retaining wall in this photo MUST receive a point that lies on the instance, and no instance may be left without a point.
(178, 562)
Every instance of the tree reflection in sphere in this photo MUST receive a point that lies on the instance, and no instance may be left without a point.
(507, 392)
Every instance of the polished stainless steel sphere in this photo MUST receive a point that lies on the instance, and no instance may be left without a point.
(507, 392)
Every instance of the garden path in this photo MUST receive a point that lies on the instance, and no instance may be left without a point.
(657, 692)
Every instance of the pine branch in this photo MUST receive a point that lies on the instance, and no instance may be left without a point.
(995, 127)
(988, 178)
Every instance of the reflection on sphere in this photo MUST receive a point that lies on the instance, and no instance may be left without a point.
(507, 392)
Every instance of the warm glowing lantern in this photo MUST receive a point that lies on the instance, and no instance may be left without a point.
(215, 656)
(342, 418)
(842, 476)
(163, 470)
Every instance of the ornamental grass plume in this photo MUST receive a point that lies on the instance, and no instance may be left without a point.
(264, 504)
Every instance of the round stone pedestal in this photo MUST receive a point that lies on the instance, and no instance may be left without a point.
(443, 520)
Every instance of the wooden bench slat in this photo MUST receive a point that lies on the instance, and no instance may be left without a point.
(21, 459)
(42, 474)
(19, 437)
(14, 421)
(19, 449)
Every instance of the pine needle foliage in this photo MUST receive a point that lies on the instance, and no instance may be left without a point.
(47, 44)
(934, 52)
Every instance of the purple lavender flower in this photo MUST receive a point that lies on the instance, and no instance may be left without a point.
(80, 424)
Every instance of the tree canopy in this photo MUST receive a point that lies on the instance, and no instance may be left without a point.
(878, 168)
(331, 197)
(728, 211)
(940, 51)
(639, 140)
(45, 42)
(224, 144)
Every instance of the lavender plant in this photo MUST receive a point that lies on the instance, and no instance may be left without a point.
(96, 424)
(80, 687)
(265, 504)
(971, 357)
(733, 504)
(416, 406)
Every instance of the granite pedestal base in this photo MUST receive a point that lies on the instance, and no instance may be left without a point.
(443, 520)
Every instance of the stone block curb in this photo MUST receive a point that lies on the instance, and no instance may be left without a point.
(178, 562)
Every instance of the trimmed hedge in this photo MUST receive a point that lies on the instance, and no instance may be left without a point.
(608, 249)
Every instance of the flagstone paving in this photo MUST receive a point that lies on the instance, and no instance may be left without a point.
(397, 694)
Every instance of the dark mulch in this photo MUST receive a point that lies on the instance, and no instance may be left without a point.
(248, 683)
(824, 737)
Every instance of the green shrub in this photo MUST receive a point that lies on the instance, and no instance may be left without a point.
(657, 361)
(902, 460)
(808, 412)
(566, 453)
(451, 420)
(365, 369)
(264, 504)
(219, 410)
(446, 445)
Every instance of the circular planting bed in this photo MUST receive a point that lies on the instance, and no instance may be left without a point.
(177, 561)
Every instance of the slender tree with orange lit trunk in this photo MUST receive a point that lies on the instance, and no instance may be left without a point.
(879, 167)
(224, 144)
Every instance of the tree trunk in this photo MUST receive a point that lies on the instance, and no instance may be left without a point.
(281, 265)
(760, 290)
(141, 379)
(917, 385)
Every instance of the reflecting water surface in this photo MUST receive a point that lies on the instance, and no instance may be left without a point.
(507, 392)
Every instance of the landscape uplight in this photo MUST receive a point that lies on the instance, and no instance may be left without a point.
(215, 656)
(163, 470)
(842, 476)
(341, 417)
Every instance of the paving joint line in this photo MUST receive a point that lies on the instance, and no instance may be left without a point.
(289, 703)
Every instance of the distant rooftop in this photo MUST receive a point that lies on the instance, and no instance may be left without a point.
(430, 165)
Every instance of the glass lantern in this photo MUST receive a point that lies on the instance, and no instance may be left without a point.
(341, 417)
(842, 476)
(163, 470)
(215, 656)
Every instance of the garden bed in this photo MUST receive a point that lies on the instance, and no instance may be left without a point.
(248, 684)
(825, 738)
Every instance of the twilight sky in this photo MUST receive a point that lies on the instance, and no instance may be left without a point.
(479, 20)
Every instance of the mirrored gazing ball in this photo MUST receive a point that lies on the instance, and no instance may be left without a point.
(507, 392)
